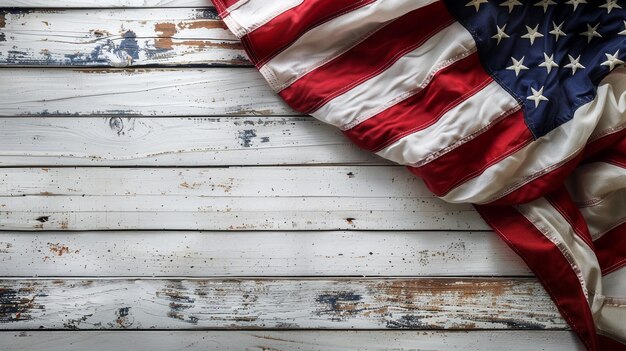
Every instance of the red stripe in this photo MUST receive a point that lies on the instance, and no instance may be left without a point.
(610, 344)
(448, 88)
(558, 277)
(611, 249)
(223, 5)
(562, 202)
(541, 185)
(504, 138)
(280, 32)
(599, 145)
(593, 152)
(367, 59)
(616, 155)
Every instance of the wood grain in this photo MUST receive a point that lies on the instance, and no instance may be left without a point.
(257, 253)
(138, 92)
(400, 303)
(105, 3)
(175, 141)
(117, 38)
(313, 340)
(234, 198)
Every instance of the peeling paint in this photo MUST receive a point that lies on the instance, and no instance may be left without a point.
(43, 219)
(16, 304)
(246, 136)
(340, 305)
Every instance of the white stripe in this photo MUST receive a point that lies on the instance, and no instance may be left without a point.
(331, 39)
(247, 15)
(605, 214)
(611, 319)
(599, 190)
(454, 128)
(409, 75)
(590, 182)
(580, 256)
(549, 152)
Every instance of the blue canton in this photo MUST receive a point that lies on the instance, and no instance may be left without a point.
(550, 54)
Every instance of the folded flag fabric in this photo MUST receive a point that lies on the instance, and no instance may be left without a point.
(516, 107)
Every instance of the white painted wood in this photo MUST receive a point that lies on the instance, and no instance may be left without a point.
(298, 181)
(117, 38)
(260, 253)
(314, 340)
(235, 198)
(400, 303)
(105, 3)
(147, 92)
(176, 141)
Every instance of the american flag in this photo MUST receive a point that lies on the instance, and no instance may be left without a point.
(517, 107)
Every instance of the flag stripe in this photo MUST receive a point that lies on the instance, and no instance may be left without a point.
(563, 203)
(611, 320)
(611, 249)
(457, 83)
(409, 75)
(241, 17)
(457, 126)
(264, 42)
(587, 191)
(541, 161)
(504, 137)
(536, 249)
(324, 43)
(367, 59)
(606, 213)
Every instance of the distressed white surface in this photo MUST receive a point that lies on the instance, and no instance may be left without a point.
(321, 303)
(117, 38)
(175, 141)
(292, 253)
(105, 3)
(246, 198)
(146, 92)
(290, 340)
(164, 117)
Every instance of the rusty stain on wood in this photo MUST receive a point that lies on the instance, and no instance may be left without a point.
(60, 249)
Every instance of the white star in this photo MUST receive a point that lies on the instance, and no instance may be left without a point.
(591, 32)
(476, 4)
(532, 34)
(612, 60)
(501, 34)
(511, 4)
(548, 62)
(610, 5)
(545, 4)
(574, 64)
(575, 3)
(624, 31)
(556, 31)
(517, 65)
(537, 96)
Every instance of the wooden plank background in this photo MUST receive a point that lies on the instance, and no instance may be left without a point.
(151, 180)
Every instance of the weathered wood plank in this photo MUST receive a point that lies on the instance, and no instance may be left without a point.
(177, 141)
(235, 198)
(400, 303)
(117, 38)
(104, 3)
(146, 92)
(202, 254)
(330, 340)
